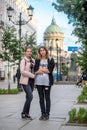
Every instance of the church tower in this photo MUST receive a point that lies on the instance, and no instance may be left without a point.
(52, 34)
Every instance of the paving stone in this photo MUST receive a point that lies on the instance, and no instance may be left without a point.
(63, 99)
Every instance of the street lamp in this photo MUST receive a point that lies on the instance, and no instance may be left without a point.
(20, 22)
(50, 48)
(68, 70)
(8, 71)
(60, 62)
(57, 42)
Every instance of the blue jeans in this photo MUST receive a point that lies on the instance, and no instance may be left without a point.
(29, 97)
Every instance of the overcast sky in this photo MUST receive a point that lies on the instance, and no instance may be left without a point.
(44, 12)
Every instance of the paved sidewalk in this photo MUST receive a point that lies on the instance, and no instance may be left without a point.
(4, 84)
(63, 98)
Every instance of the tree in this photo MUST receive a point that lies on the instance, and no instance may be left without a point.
(27, 41)
(30, 40)
(82, 58)
(76, 11)
(10, 43)
(13, 48)
(65, 70)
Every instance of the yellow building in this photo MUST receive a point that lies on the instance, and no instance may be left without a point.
(52, 33)
(54, 41)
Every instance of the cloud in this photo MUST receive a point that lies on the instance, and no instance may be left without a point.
(44, 15)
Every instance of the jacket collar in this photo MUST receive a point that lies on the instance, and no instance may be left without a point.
(26, 59)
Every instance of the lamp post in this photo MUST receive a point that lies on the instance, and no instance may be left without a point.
(20, 22)
(8, 73)
(57, 42)
(60, 62)
(67, 70)
(8, 77)
(50, 48)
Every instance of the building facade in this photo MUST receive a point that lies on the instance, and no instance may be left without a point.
(29, 28)
(54, 41)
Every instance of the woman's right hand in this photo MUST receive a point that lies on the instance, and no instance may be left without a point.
(39, 72)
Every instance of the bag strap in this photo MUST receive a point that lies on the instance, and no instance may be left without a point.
(25, 62)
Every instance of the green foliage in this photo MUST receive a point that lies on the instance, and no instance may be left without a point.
(82, 58)
(11, 91)
(77, 15)
(83, 96)
(65, 70)
(80, 115)
(30, 41)
(13, 48)
(84, 91)
(10, 43)
(76, 11)
(72, 114)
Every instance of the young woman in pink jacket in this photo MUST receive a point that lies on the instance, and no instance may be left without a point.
(26, 75)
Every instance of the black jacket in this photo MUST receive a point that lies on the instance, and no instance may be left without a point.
(84, 76)
(51, 65)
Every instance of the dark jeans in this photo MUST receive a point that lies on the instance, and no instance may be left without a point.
(29, 97)
(31, 82)
(44, 98)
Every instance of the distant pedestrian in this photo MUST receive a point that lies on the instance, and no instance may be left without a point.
(84, 78)
(14, 78)
(44, 66)
(26, 74)
(18, 79)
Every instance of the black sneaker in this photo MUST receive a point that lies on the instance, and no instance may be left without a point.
(47, 117)
(42, 117)
(23, 115)
(28, 117)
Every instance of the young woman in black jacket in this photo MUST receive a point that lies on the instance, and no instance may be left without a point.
(43, 68)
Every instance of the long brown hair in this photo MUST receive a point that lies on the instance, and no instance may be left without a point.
(39, 55)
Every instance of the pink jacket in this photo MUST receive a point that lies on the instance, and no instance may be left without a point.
(25, 71)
